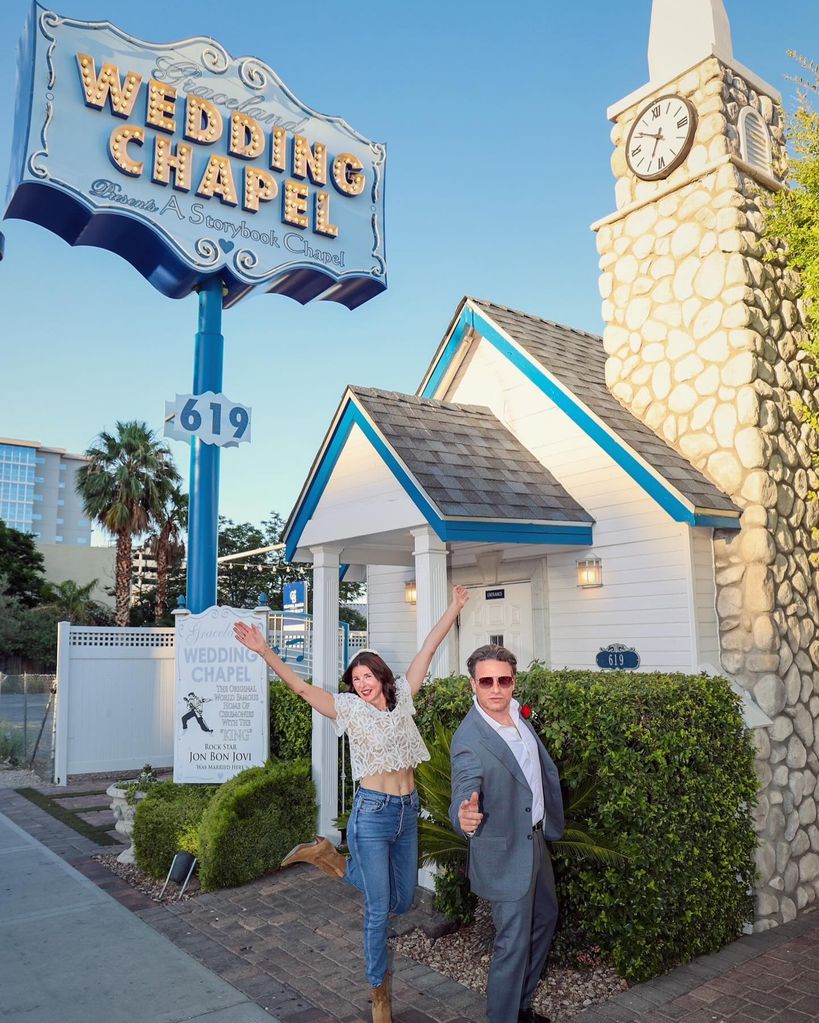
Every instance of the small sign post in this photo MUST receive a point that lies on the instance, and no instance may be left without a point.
(221, 697)
(294, 597)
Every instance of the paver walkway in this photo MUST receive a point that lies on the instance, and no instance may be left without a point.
(772, 976)
(291, 942)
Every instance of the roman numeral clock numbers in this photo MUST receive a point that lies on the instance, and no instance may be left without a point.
(660, 137)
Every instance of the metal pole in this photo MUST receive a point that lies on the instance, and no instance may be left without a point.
(203, 515)
(25, 715)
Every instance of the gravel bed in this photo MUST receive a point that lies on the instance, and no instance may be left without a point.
(149, 886)
(465, 955)
(14, 778)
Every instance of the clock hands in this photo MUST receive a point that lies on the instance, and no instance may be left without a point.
(657, 139)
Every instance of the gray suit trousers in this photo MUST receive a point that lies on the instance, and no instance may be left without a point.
(523, 935)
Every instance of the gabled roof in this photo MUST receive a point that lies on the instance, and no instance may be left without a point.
(466, 473)
(569, 366)
(466, 461)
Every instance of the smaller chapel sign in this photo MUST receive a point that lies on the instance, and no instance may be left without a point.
(220, 702)
(191, 163)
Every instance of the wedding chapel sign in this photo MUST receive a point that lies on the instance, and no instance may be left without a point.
(220, 704)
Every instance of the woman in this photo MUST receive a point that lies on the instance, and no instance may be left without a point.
(385, 747)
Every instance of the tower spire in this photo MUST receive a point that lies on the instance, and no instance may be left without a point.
(684, 32)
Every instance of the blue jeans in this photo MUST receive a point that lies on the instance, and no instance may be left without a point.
(382, 836)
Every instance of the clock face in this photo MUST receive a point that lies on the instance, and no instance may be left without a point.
(661, 137)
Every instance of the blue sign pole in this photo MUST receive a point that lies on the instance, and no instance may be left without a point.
(203, 514)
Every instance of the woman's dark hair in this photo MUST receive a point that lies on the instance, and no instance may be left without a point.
(379, 667)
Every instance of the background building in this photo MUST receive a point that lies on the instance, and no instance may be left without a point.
(38, 496)
(37, 493)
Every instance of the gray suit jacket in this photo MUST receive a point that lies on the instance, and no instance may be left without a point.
(501, 851)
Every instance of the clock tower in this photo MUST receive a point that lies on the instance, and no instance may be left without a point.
(703, 334)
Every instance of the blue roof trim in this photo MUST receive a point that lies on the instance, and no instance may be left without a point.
(566, 403)
(446, 529)
(454, 343)
(717, 521)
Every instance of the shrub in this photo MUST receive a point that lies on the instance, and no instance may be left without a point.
(444, 700)
(673, 788)
(253, 821)
(290, 724)
(11, 744)
(675, 777)
(167, 821)
(291, 735)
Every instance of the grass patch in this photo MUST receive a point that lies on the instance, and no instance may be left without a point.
(96, 832)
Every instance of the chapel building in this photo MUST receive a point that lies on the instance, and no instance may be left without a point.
(636, 500)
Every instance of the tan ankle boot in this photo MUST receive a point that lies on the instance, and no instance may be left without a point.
(382, 1013)
(321, 854)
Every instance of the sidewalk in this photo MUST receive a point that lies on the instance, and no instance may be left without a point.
(71, 952)
(290, 942)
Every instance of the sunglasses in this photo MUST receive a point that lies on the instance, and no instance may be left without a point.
(487, 681)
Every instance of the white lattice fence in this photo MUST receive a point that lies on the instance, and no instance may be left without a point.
(115, 690)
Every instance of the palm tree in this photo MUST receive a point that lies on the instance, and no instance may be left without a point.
(123, 486)
(74, 603)
(167, 545)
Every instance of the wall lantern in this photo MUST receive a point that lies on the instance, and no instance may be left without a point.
(590, 573)
(410, 592)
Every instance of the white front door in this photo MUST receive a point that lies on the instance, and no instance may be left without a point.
(499, 614)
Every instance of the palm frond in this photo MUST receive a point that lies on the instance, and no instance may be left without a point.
(439, 843)
(577, 844)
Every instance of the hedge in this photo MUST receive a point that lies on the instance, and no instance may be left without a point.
(253, 821)
(290, 724)
(675, 776)
(167, 821)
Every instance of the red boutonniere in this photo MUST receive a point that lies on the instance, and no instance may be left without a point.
(527, 712)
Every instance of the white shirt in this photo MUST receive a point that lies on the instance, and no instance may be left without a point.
(380, 740)
(524, 749)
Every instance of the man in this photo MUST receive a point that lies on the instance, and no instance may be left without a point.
(195, 704)
(506, 800)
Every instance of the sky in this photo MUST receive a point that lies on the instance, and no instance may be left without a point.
(494, 117)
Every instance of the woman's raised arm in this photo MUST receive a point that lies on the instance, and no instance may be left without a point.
(417, 671)
(318, 698)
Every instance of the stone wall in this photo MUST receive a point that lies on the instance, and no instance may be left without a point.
(702, 340)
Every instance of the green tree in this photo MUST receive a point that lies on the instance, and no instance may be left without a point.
(11, 615)
(22, 565)
(240, 581)
(38, 637)
(243, 579)
(123, 486)
(74, 603)
(793, 218)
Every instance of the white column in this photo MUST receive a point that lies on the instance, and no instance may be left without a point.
(431, 591)
(61, 708)
(325, 674)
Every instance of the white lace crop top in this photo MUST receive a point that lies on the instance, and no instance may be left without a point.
(380, 740)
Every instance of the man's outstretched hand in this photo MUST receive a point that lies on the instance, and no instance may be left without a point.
(469, 815)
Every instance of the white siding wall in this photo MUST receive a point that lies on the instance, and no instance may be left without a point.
(390, 619)
(645, 601)
(362, 496)
(702, 547)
